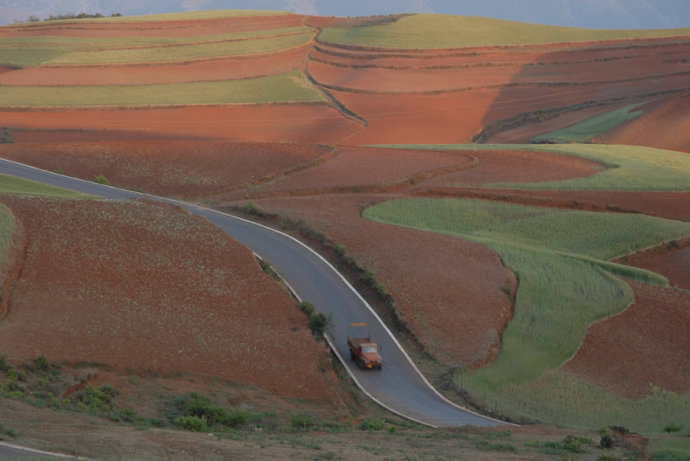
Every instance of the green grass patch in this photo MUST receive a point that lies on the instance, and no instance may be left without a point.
(290, 87)
(85, 43)
(19, 186)
(586, 130)
(670, 449)
(7, 225)
(565, 281)
(630, 168)
(429, 31)
(558, 397)
(27, 56)
(215, 47)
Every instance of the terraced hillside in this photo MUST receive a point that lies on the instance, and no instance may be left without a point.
(513, 199)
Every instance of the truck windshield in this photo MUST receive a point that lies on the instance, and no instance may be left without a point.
(369, 349)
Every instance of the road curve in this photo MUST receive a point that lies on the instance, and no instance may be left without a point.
(399, 386)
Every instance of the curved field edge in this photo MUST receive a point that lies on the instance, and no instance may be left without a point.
(629, 168)
(563, 287)
(428, 31)
(281, 88)
(588, 129)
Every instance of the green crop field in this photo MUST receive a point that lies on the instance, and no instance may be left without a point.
(7, 225)
(586, 130)
(630, 168)
(427, 31)
(565, 281)
(291, 87)
(187, 52)
(19, 186)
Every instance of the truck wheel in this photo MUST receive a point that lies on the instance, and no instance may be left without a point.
(352, 355)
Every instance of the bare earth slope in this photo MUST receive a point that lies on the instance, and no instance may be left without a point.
(143, 286)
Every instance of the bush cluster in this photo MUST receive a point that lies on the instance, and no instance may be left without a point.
(195, 412)
(319, 323)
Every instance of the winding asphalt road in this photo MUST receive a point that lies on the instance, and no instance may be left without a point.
(399, 386)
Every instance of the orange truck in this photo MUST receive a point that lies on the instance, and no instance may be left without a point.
(362, 349)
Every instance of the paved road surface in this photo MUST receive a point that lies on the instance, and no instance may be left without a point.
(398, 386)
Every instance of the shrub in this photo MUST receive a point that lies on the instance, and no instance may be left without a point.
(192, 423)
(672, 427)
(607, 438)
(302, 421)
(308, 308)
(100, 179)
(42, 363)
(372, 424)
(320, 324)
(4, 366)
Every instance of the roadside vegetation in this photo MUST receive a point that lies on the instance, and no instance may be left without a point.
(427, 31)
(40, 386)
(290, 87)
(19, 186)
(628, 168)
(7, 225)
(586, 130)
(566, 283)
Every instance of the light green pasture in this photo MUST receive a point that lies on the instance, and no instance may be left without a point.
(586, 130)
(19, 186)
(290, 87)
(190, 52)
(630, 168)
(84, 43)
(26, 56)
(565, 281)
(558, 397)
(429, 31)
(7, 225)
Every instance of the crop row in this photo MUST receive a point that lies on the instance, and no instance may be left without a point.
(423, 31)
(60, 51)
(290, 87)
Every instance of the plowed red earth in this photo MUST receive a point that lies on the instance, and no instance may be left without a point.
(450, 95)
(144, 286)
(646, 345)
(208, 70)
(295, 123)
(184, 169)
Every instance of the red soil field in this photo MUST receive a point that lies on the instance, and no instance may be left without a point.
(488, 85)
(358, 169)
(182, 28)
(184, 169)
(646, 345)
(163, 292)
(497, 166)
(449, 291)
(199, 71)
(665, 124)
(447, 118)
(309, 123)
(671, 260)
